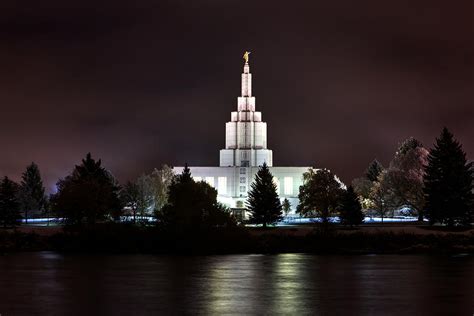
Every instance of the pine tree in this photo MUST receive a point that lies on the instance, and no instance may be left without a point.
(192, 206)
(263, 202)
(286, 205)
(89, 194)
(350, 209)
(32, 197)
(373, 171)
(185, 176)
(448, 183)
(9, 204)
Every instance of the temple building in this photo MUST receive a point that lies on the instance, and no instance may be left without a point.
(245, 150)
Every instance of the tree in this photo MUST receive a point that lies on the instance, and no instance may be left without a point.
(9, 204)
(161, 180)
(129, 195)
(405, 176)
(192, 206)
(319, 194)
(286, 205)
(32, 197)
(373, 171)
(145, 195)
(87, 195)
(350, 212)
(362, 187)
(448, 183)
(408, 145)
(381, 197)
(263, 202)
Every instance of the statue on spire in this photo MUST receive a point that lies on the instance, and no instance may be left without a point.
(246, 57)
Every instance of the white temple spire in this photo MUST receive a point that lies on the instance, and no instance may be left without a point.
(246, 134)
(246, 78)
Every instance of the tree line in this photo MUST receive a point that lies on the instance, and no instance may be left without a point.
(90, 194)
(435, 184)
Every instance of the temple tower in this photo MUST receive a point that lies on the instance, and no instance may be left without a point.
(246, 134)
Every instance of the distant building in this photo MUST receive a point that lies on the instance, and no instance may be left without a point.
(245, 150)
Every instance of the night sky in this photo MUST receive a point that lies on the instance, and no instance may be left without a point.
(143, 83)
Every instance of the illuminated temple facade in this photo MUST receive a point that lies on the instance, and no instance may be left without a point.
(246, 150)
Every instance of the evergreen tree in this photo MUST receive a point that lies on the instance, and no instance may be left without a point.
(373, 171)
(263, 202)
(9, 204)
(32, 197)
(350, 212)
(448, 183)
(319, 194)
(87, 195)
(286, 205)
(185, 176)
(192, 206)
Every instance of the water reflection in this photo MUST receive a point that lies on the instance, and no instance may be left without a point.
(295, 284)
(254, 284)
(234, 284)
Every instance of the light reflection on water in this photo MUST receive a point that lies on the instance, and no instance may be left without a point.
(238, 284)
(290, 284)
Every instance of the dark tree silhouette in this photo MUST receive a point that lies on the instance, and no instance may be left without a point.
(129, 195)
(9, 204)
(319, 194)
(192, 206)
(373, 171)
(88, 195)
(350, 212)
(448, 183)
(286, 206)
(263, 202)
(32, 197)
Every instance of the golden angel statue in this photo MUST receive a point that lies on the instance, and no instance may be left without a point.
(246, 57)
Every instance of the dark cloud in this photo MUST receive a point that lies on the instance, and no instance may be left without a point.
(142, 83)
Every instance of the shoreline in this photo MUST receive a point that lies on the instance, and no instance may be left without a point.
(128, 239)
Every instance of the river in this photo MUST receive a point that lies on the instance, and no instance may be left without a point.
(47, 283)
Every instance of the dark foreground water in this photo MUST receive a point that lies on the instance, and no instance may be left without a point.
(52, 284)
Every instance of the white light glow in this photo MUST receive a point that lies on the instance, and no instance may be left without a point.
(288, 185)
(222, 185)
(210, 181)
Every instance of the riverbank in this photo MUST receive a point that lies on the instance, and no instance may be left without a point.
(119, 238)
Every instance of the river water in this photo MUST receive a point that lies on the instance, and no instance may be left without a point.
(46, 283)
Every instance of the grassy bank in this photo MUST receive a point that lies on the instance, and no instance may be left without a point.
(119, 238)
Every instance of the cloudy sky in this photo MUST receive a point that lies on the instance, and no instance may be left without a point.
(142, 83)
